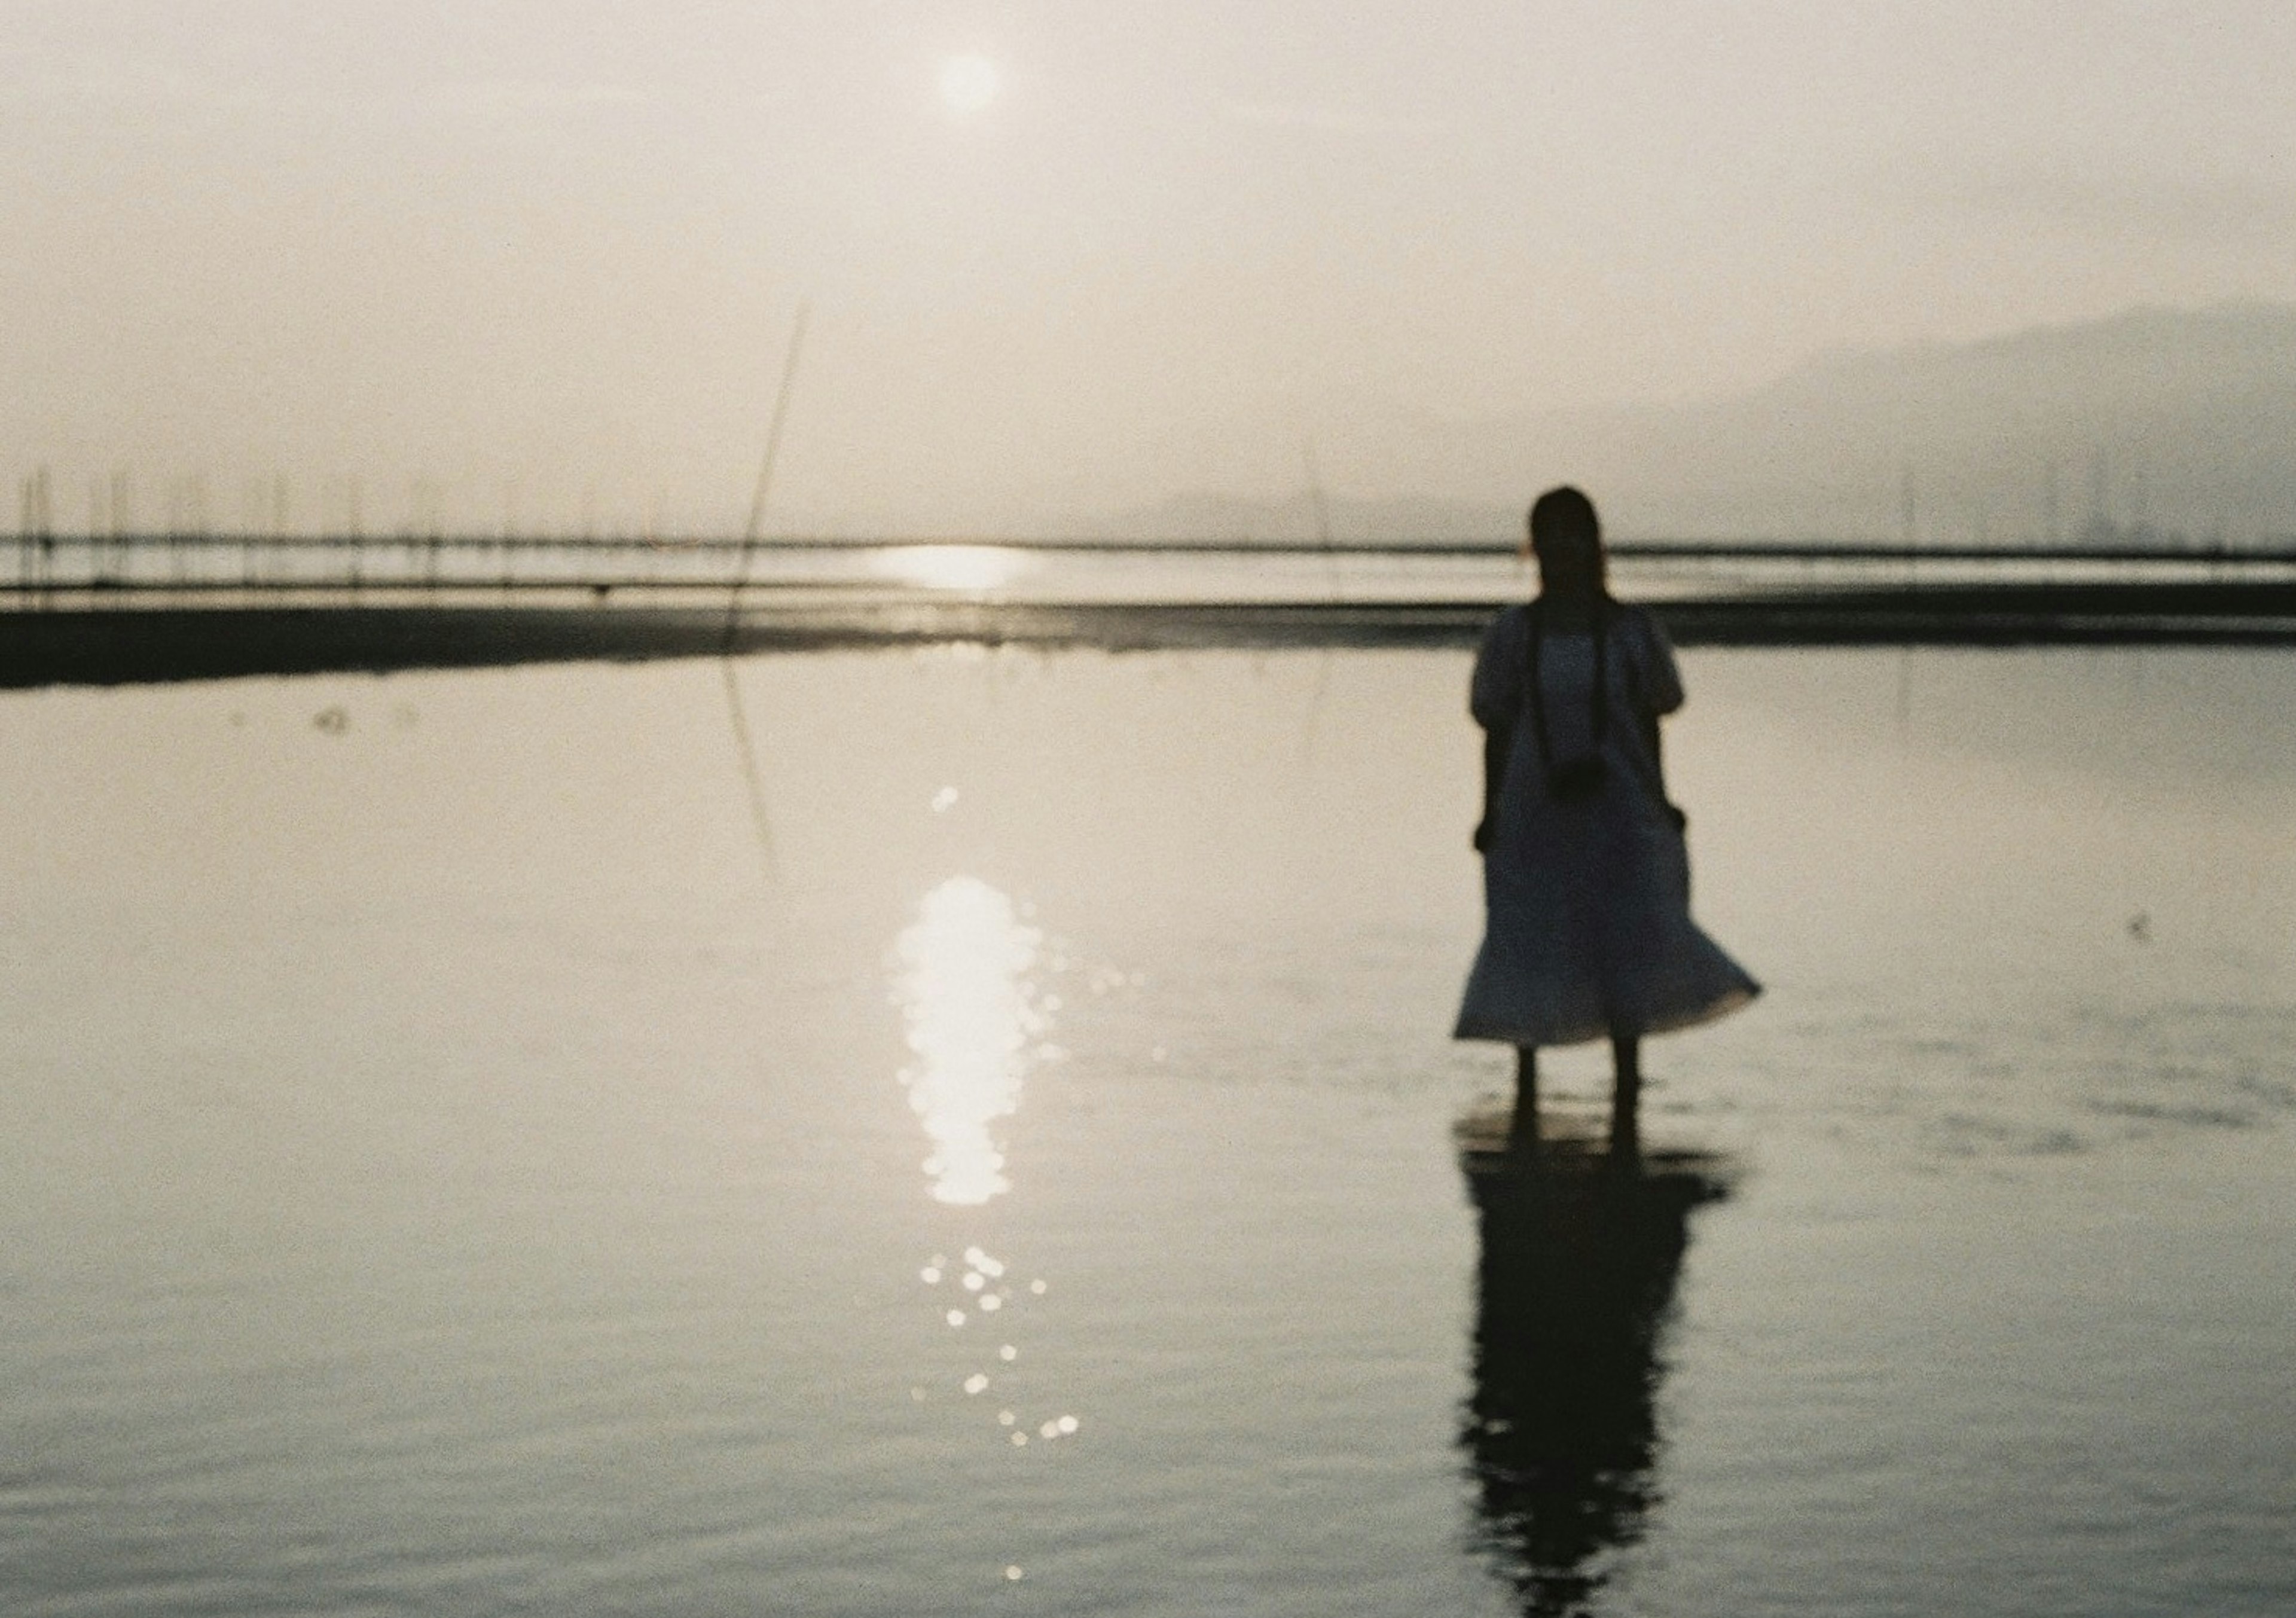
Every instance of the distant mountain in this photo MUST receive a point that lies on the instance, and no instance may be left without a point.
(2157, 425)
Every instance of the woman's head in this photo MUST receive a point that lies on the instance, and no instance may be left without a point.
(1567, 538)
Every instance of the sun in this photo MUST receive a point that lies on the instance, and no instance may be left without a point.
(969, 83)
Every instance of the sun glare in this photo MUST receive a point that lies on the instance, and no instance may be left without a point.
(969, 83)
(953, 566)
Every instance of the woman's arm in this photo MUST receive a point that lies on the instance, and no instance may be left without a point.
(1495, 700)
(1498, 743)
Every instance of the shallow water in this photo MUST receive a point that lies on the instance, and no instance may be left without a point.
(448, 1164)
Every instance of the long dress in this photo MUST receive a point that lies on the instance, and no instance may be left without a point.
(1587, 926)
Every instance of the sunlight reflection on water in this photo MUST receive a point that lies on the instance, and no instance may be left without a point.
(954, 567)
(971, 1012)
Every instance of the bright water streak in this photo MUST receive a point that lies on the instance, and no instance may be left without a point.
(965, 996)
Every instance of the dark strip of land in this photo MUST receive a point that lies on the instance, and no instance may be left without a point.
(108, 646)
(2278, 552)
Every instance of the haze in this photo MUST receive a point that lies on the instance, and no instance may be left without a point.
(535, 263)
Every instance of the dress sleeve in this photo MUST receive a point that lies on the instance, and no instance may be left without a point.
(1660, 682)
(1496, 694)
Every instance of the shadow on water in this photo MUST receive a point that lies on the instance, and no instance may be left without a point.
(1580, 1257)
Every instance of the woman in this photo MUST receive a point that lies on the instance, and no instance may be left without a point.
(1585, 880)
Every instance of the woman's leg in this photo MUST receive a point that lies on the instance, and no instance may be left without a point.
(1525, 1133)
(1626, 1095)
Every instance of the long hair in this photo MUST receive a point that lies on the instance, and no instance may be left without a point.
(1563, 516)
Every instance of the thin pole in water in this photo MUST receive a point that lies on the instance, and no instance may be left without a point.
(1322, 510)
(744, 746)
(1906, 647)
(755, 524)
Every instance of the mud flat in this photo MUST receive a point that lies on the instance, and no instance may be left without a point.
(107, 645)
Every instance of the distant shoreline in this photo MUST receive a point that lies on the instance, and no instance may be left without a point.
(108, 645)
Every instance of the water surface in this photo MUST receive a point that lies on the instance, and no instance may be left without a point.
(446, 1163)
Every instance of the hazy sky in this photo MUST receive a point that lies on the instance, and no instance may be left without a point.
(540, 251)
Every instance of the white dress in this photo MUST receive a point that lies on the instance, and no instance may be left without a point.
(1587, 929)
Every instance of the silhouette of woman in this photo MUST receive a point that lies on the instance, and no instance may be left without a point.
(1586, 877)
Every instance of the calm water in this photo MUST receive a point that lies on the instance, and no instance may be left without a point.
(444, 1169)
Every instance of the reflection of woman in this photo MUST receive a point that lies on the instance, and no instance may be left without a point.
(1585, 880)
(1575, 1284)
